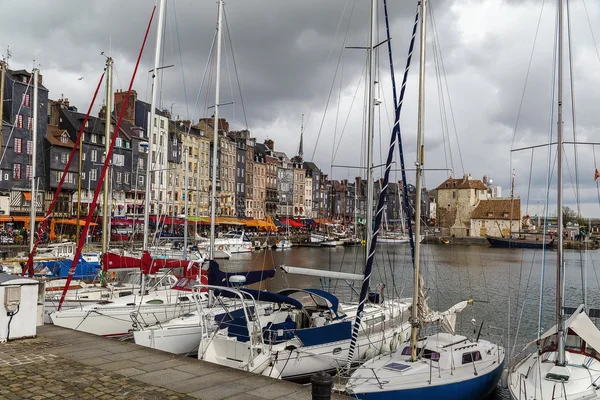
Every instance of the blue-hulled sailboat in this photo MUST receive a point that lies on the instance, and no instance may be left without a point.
(440, 366)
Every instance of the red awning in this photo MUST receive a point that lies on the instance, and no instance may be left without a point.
(167, 220)
(291, 222)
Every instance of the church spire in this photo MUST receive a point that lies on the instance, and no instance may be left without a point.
(300, 149)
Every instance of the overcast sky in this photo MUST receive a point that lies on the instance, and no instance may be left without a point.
(290, 60)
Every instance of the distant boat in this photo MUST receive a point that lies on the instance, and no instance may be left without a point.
(519, 243)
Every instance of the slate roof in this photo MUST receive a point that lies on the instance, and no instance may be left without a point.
(462, 183)
(54, 133)
(498, 209)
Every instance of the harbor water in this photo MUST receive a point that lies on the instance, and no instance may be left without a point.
(499, 281)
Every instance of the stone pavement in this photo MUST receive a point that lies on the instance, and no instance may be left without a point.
(65, 364)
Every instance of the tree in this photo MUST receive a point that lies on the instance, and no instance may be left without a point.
(568, 216)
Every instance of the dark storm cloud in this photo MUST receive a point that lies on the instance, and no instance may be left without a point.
(281, 48)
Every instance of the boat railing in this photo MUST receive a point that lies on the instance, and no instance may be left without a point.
(248, 305)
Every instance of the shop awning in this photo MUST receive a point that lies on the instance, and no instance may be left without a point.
(269, 225)
(71, 221)
(199, 220)
(291, 222)
(229, 221)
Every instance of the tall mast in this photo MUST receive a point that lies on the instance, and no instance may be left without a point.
(150, 125)
(213, 204)
(36, 74)
(371, 124)
(186, 202)
(107, 182)
(419, 167)
(3, 73)
(560, 359)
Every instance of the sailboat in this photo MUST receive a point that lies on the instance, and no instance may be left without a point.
(564, 362)
(441, 366)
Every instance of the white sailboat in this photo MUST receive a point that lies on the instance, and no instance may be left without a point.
(310, 330)
(118, 317)
(441, 366)
(564, 362)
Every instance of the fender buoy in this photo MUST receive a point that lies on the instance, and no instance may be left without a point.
(220, 248)
(113, 274)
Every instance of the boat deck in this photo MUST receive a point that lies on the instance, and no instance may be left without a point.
(67, 364)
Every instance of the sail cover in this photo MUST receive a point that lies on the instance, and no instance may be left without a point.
(447, 318)
(579, 323)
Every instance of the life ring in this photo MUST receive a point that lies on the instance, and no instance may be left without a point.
(113, 274)
(220, 248)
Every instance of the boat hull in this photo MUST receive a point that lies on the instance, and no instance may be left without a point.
(518, 244)
(475, 388)
(176, 340)
(117, 321)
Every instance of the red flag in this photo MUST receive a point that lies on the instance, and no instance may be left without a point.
(596, 175)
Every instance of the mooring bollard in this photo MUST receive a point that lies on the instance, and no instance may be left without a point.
(322, 384)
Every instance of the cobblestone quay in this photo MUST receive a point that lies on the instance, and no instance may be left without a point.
(66, 364)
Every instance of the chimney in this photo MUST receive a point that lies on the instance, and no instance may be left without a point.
(270, 144)
(484, 180)
(130, 110)
(54, 112)
(40, 79)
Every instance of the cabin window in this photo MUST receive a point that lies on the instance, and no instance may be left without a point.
(473, 356)
(428, 354)
(155, 301)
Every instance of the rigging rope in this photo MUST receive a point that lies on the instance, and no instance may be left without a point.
(44, 225)
(237, 76)
(394, 138)
(104, 168)
(335, 73)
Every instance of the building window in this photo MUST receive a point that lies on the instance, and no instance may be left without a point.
(94, 155)
(119, 177)
(119, 160)
(64, 157)
(17, 172)
(28, 170)
(57, 176)
(141, 179)
(94, 138)
(83, 175)
(26, 101)
(64, 139)
(127, 178)
(19, 121)
(93, 174)
(18, 145)
(119, 142)
(155, 125)
(83, 156)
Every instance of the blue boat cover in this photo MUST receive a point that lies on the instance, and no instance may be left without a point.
(331, 299)
(260, 295)
(217, 277)
(60, 268)
(325, 334)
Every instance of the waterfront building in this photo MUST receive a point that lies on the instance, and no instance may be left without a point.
(496, 217)
(456, 200)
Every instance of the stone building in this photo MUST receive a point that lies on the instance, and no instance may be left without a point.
(240, 139)
(138, 113)
(308, 196)
(496, 217)
(16, 166)
(285, 185)
(265, 151)
(456, 200)
(250, 195)
(258, 201)
(299, 191)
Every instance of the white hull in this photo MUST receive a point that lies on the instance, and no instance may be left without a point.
(301, 363)
(183, 339)
(284, 244)
(125, 314)
(332, 243)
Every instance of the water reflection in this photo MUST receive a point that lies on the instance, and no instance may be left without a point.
(494, 278)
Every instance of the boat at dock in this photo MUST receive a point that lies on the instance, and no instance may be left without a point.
(520, 242)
